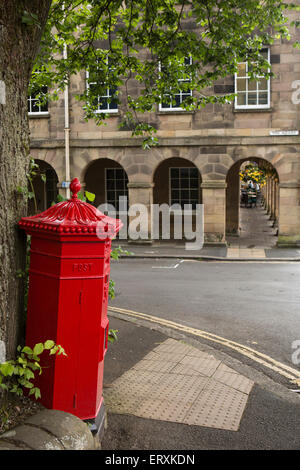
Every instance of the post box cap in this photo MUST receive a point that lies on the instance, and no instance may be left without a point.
(71, 217)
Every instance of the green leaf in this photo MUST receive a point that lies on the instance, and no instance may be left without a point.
(30, 19)
(34, 365)
(20, 371)
(27, 350)
(7, 369)
(38, 349)
(27, 384)
(90, 196)
(60, 198)
(49, 344)
(61, 350)
(112, 335)
(36, 392)
(28, 374)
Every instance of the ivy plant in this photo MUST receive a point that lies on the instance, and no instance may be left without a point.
(28, 191)
(17, 374)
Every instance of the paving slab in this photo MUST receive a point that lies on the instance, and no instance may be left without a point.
(232, 409)
(187, 388)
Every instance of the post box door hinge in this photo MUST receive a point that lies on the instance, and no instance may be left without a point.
(75, 400)
(80, 296)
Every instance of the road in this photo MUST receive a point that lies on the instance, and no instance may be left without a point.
(255, 304)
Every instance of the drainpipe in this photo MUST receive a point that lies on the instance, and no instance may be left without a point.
(67, 132)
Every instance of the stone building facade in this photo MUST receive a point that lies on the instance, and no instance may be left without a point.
(203, 149)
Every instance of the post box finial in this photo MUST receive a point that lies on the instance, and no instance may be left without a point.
(75, 187)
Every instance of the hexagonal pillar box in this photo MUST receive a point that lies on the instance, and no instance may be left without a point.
(67, 301)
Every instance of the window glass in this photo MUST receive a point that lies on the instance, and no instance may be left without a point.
(173, 100)
(184, 186)
(251, 93)
(106, 102)
(116, 185)
(36, 103)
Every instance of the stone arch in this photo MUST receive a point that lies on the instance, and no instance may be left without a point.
(107, 179)
(176, 180)
(213, 166)
(162, 192)
(269, 195)
(45, 187)
(270, 154)
(53, 157)
(83, 159)
(158, 156)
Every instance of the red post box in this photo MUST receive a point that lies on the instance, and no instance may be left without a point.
(67, 301)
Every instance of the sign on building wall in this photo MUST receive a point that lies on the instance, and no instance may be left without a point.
(287, 132)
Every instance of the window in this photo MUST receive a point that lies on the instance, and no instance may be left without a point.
(106, 102)
(184, 186)
(251, 93)
(36, 103)
(173, 101)
(116, 185)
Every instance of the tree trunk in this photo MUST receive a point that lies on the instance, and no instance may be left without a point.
(19, 45)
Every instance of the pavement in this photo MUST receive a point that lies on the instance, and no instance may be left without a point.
(166, 390)
(257, 241)
(233, 252)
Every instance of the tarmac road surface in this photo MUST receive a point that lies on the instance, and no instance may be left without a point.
(254, 304)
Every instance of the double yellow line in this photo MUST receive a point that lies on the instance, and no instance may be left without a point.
(263, 359)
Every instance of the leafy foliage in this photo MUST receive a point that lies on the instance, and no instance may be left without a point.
(112, 335)
(15, 375)
(28, 191)
(139, 46)
(253, 173)
(115, 254)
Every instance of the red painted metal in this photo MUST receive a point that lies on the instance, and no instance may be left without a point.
(67, 301)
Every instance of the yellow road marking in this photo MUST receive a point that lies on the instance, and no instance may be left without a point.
(284, 370)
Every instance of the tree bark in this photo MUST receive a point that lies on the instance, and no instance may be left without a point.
(19, 45)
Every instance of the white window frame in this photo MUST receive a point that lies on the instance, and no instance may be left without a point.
(179, 189)
(30, 100)
(171, 107)
(268, 91)
(108, 95)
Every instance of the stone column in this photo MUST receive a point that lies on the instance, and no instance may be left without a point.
(277, 201)
(272, 211)
(269, 197)
(140, 197)
(214, 200)
(263, 194)
(233, 201)
(289, 211)
(266, 192)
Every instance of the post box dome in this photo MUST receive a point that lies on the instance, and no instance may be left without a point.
(73, 216)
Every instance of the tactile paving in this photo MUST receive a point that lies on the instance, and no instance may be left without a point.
(237, 252)
(219, 406)
(155, 366)
(204, 366)
(234, 380)
(179, 383)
